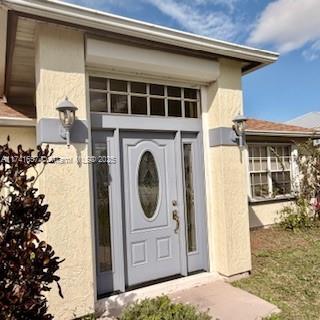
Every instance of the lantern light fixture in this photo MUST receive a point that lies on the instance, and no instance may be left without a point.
(240, 128)
(67, 111)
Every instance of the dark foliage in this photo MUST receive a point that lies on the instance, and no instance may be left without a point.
(27, 265)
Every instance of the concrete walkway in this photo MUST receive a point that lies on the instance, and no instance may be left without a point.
(208, 291)
(226, 302)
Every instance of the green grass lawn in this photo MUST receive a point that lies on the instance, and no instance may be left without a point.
(286, 271)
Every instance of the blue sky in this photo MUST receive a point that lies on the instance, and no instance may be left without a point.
(278, 92)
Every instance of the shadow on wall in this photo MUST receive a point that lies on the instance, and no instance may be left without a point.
(254, 220)
(266, 213)
(113, 306)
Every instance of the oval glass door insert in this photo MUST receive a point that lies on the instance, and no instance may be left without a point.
(148, 184)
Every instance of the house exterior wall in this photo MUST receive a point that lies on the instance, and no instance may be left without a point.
(22, 135)
(227, 205)
(60, 72)
(265, 213)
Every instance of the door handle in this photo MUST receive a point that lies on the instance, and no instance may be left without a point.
(176, 218)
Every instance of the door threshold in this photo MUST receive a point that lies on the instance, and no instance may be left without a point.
(153, 282)
(113, 305)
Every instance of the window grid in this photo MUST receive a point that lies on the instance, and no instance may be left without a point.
(148, 97)
(148, 100)
(166, 103)
(270, 169)
(108, 96)
(129, 97)
(183, 113)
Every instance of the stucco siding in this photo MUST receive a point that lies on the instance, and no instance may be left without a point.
(266, 213)
(24, 136)
(60, 72)
(228, 223)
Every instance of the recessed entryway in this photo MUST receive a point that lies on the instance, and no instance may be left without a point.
(150, 205)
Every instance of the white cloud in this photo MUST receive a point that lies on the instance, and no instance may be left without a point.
(211, 18)
(312, 53)
(99, 4)
(230, 4)
(288, 25)
(194, 19)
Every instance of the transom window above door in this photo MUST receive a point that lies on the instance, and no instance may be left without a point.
(140, 98)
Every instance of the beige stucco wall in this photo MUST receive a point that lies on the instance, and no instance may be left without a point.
(228, 221)
(266, 213)
(26, 136)
(60, 72)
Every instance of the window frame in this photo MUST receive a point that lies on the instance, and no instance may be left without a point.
(146, 95)
(292, 169)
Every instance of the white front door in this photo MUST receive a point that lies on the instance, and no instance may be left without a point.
(151, 212)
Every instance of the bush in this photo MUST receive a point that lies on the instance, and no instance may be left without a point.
(162, 308)
(295, 216)
(27, 265)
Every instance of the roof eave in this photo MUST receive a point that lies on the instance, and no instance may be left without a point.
(17, 122)
(104, 21)
(315, 135)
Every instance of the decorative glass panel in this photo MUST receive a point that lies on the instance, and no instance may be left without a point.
(102, 179)
(189, 194)
(148, 184)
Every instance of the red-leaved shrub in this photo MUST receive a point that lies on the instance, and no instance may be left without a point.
(27, 265)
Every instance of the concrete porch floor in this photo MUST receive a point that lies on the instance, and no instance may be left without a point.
(207, 291)
(226, 302)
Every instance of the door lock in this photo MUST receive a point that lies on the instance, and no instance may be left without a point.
(176, 218)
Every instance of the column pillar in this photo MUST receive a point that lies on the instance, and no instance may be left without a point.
(227, 202)
(60, 72)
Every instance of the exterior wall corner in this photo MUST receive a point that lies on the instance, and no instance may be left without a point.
(60, 72)
(227, 201)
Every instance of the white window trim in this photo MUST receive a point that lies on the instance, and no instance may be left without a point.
(294, 173)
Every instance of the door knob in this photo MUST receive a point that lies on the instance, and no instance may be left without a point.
(176, 218)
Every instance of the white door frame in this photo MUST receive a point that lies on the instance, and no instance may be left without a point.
(115, 123)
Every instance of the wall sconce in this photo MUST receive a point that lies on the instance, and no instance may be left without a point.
(67, 112)
(240, 127)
